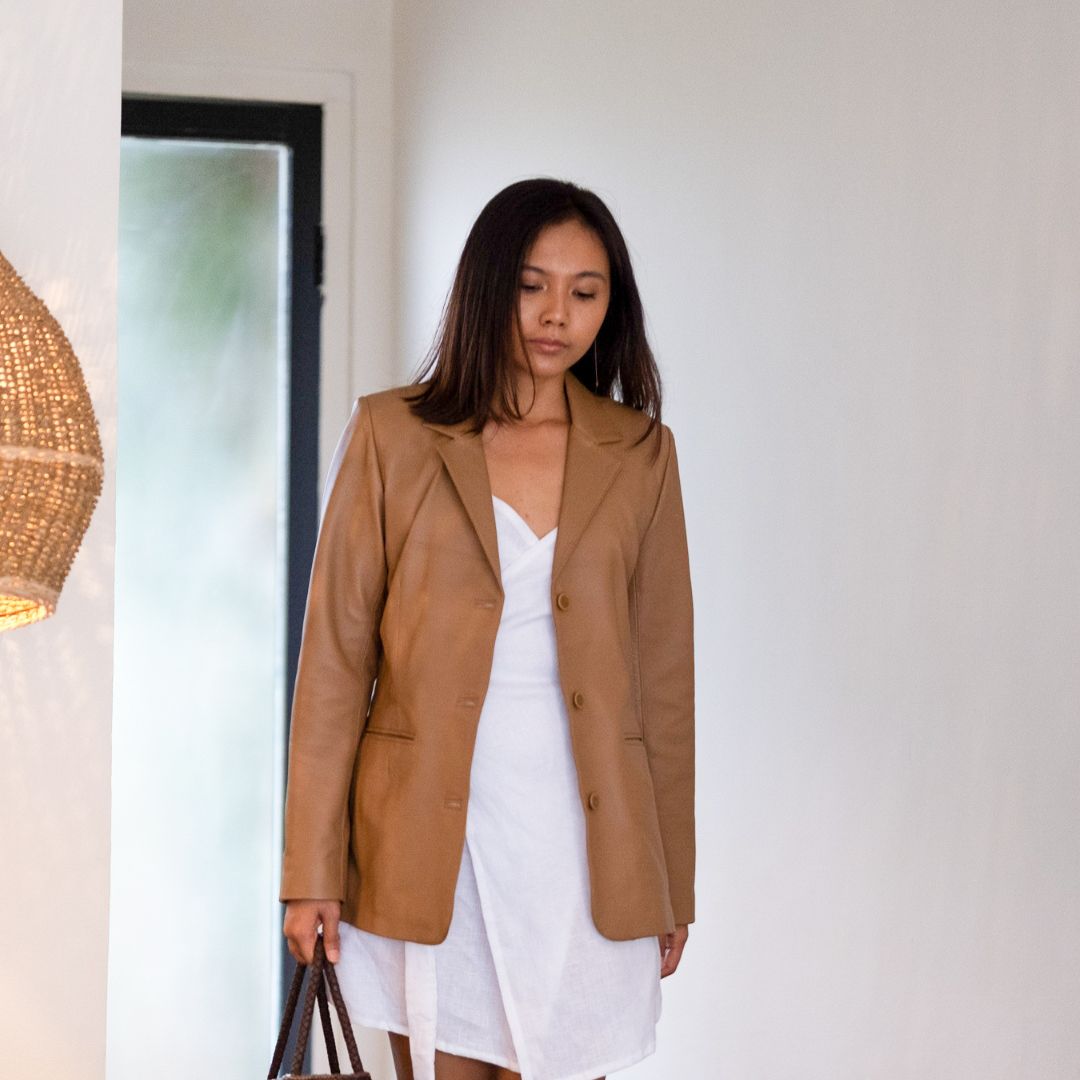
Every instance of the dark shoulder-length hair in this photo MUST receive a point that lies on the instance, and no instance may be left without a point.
(469, 363)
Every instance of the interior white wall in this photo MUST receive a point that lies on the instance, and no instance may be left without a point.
(59, 141)
(857, 227)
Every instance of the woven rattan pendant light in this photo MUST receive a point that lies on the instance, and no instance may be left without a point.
(50, 455)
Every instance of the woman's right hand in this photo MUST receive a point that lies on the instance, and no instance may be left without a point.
(302, 919)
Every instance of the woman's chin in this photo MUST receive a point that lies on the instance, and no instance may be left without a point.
(547, 366)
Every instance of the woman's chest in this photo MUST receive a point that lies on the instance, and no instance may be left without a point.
(525, 469)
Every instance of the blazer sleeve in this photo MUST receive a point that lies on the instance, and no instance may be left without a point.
(337, 666)
(665, 642)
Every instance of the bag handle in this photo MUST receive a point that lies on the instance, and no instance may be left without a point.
(321, 969)
(324, 1016)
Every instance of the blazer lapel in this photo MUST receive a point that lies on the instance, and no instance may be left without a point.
(463, 454)
(590, 468)
(588, 472)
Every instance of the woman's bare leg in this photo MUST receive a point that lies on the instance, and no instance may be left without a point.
(447, 1066)
(506, 1074)
(452, 1067)
(399, 1047)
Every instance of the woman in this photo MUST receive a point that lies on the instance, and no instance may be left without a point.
(499, 841)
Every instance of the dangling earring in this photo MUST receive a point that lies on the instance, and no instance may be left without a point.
(596, 369)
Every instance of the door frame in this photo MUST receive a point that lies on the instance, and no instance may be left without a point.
(300, 128)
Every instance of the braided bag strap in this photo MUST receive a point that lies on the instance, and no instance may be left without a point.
(304, 1032)
(286, 1021)
(322, 974)
(328, 1030)
(343, 1016)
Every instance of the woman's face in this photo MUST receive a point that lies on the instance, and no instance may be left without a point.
(563, 297)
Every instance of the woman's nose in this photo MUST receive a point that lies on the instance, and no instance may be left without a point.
(555, 310)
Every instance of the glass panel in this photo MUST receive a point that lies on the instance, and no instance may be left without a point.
(200, 565)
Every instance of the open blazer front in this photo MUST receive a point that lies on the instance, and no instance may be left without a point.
(405, 597)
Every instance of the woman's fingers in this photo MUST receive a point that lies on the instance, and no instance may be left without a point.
(666, 941)
(672, 948)
(301, 927)
(301, 920)
(331, 916)
(299, 950)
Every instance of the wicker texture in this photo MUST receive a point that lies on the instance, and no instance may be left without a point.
(51, 463)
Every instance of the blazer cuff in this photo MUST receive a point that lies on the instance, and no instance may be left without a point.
(311, 879)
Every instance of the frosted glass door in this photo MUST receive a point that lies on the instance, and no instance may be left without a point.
(200, 583)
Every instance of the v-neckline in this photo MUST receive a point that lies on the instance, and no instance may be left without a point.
(525, 524)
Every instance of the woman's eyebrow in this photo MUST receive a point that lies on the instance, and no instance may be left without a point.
(581, 273)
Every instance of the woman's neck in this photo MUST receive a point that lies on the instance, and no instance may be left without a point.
(549, 405)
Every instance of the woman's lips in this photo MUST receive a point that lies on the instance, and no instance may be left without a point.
(547, 345)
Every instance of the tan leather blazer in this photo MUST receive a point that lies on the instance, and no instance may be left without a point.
(405, 597)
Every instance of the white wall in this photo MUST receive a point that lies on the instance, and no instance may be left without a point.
(59, 144)
(858, 232)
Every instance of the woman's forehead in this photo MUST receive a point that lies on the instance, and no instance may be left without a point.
(569, 247)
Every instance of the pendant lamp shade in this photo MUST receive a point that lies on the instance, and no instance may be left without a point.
(51, 464)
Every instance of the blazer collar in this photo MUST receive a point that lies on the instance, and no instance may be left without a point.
(588, 473)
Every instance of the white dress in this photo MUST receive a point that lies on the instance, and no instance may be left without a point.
(523, 979)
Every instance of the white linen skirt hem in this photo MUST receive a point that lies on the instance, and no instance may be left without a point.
(647, 1050)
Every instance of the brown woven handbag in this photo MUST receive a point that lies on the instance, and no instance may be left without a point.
(322, 975)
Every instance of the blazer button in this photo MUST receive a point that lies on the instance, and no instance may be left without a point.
(578, 699)
(563, 601)
(594, 800)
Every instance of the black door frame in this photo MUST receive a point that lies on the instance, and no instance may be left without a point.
(299, 127)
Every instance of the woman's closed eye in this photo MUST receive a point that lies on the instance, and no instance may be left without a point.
(528, 286)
